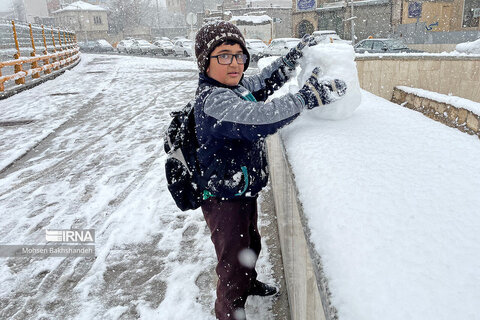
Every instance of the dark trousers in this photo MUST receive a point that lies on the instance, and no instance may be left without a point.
(233, 228)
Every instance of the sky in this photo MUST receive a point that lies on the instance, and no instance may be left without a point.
(5, 5)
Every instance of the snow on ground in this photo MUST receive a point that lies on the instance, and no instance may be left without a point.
(98, 163)
(391, 199)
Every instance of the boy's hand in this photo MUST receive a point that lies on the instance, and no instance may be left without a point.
(317, 92)
(295, 53)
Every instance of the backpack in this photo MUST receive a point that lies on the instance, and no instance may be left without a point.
(182, 169)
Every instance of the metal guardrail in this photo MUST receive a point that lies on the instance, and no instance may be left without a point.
(19, 52)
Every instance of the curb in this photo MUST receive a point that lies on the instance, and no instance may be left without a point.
(306, 283)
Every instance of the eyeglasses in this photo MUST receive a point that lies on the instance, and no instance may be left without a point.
(227, 58)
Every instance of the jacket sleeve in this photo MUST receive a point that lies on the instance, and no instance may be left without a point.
(237, 118)
(269, 80)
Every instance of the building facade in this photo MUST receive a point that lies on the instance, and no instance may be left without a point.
(177, 6)
(374, 18)
(281, 18)
(438, 25)
(36, 11)
(448, 15)
(31, 11)
(304, 17)
(234, 4)
(89, 21)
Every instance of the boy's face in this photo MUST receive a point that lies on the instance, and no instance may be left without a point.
(229, 74)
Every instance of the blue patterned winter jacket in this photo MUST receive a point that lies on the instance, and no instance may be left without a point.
(231, 124)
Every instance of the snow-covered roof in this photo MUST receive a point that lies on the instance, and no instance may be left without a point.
(263, 19)
(81, 6)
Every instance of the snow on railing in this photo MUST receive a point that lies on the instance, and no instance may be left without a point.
(60, 49)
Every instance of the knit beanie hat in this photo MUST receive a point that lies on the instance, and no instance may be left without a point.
(212, 35)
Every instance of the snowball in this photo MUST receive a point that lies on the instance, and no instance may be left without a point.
(247, 258)
(239, 314)
(337, 61)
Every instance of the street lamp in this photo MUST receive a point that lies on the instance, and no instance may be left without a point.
(351, 19)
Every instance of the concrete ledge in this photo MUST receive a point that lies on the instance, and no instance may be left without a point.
(444, 47)
(306, 284)
(453, 116)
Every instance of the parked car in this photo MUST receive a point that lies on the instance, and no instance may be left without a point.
(255, 47)
(144, 47)
(328, 36)
(280, 46)
(166, 47)
(161, 38)
(177, 38)
(86, 46)
(124, 46)
(101, 45)
(383, 46)
(183, 47)
(104, 46)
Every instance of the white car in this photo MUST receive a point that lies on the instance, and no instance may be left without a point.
(124, 46)
(255, 47)
(280, 46)
(183, 47)
(144, 47)
(160, 38)
(178, 38)
(328, 36)
(166, 47)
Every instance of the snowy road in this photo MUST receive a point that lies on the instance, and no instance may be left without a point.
(89, 155)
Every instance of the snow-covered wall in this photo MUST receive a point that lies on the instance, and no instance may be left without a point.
(453, 111)
(306, 285)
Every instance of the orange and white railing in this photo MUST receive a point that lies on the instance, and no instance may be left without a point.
(60, 50)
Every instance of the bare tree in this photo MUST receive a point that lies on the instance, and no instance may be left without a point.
(19, 11)
(124, 14)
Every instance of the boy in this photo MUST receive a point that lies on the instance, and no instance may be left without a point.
(232, 121)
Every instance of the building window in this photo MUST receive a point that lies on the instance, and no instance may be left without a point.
(414, 9)
(470, 13)
(97, 20)
(305, 27)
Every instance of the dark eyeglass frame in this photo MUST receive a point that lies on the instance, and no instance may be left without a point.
(240, 57)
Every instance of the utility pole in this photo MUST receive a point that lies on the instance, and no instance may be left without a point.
(222, 9)
(353, 25)
(158, 16)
